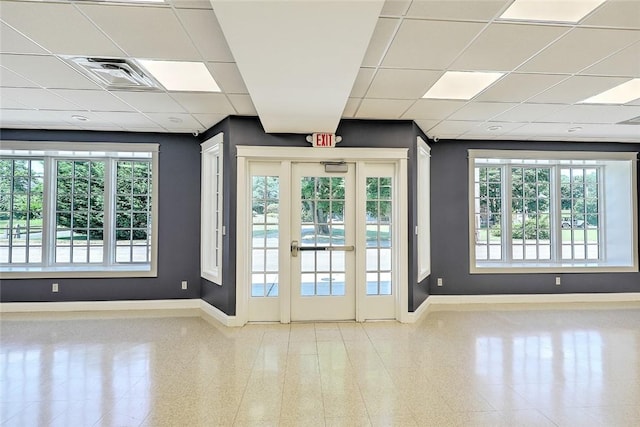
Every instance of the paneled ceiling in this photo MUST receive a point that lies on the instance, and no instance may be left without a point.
(382, 66)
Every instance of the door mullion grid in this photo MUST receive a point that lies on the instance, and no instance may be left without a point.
(507, 217)
(360, 207)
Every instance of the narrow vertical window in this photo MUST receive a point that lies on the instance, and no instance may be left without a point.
(488, 212)
(212, 228)
(133, 211)
(265, 205)
(21, 210)
(379, 246)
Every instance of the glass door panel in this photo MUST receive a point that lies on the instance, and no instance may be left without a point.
(323, 285)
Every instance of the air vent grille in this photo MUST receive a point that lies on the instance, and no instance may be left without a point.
(115, 73)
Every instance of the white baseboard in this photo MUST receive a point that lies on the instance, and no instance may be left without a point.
(169, 304)
(463, 302)
(211, 312)
(432, 303)
(533, 298)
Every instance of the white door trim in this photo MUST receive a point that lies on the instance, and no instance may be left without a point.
(292, 154)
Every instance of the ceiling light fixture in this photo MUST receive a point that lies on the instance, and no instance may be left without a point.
(574, 129)
(494, 128)
(79, 118)
(621, 94)
(175, 119)
(461, 84)
(552, 11)
(181, 76)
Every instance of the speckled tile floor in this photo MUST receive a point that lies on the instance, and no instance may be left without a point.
(558, 366)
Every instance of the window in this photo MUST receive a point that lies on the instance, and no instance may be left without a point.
(212, 229)
(77, 210)
(554, 211)
(424, 210)
(265, 205)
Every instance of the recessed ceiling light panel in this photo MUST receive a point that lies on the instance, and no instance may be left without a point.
(181, 76)
(621, 94)
(461, 84)
(550, 10)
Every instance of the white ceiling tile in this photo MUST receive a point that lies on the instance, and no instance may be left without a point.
(593, 114)
(351, 107)
(128, 120)
(414, 46)
(503, 47)
(47, 71)
(579, 49)
(519, 87)
(191, 4)
(616, 13)
(176, 121)
(453, 127)
(209, 120)
(100, 127)
(37, 98)
(203, 27)
(227, 76)
(10, 79)
(144, 32)
(34, 117)
(557, 131)
(59, 27)
(243, 105)
(11, 41)
(395, 7)
(382, 35)
(576, 89)
(382, 108)
(10, 103)
(402, 84)
(432, 109)
(492, 129)
(363, 80)
(94, 100)
(529, 112)
(95, 119)
(624, 63)
(212, 103)
(426, 125)
(481, 110)
(456, 10)
(150, 102)
(146, 129)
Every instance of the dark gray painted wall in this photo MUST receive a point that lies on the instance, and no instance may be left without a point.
(178, 226)
(450, 235)
(248, 131)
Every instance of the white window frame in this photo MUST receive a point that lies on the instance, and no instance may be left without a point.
(54, 150)
(211, 221)
(619, 212)
(423, 227)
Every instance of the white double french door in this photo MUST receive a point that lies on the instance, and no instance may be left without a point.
(324, 240)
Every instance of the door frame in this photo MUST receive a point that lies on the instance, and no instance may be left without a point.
(287, 155)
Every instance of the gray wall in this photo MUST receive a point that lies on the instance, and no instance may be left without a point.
(248, 131)
(178, 226)
(450, 235)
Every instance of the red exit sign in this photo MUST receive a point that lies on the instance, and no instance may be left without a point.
(324, 140)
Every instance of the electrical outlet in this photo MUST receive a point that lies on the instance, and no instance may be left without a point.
(557, 280)
(440, 281)
(184, 285)
(54, 287)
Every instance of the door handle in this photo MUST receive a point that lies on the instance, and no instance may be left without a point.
(295, 248)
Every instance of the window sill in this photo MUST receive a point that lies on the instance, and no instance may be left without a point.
(97, 271)
(548, 267)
